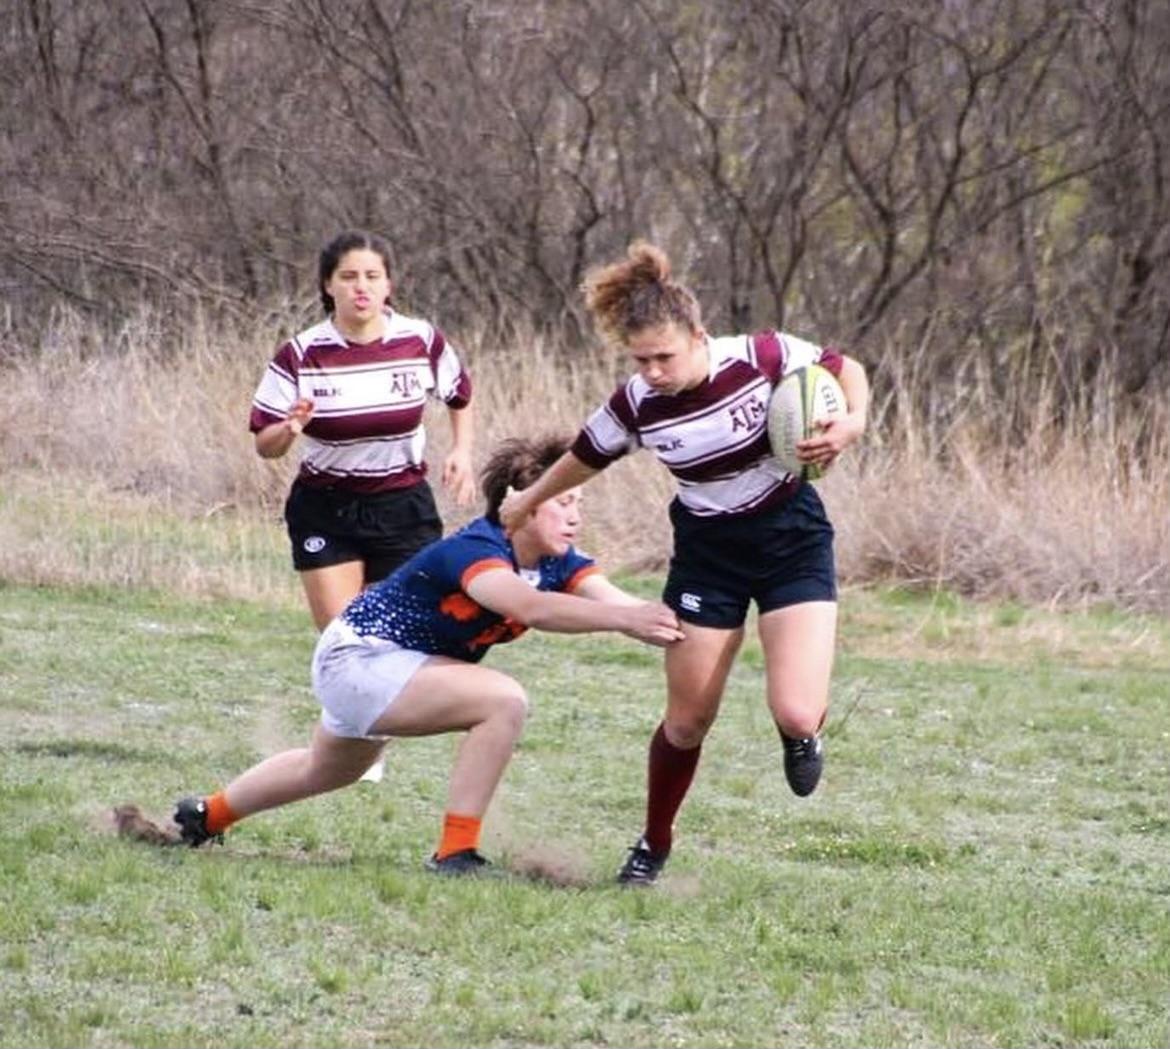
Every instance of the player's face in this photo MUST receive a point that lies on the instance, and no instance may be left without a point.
(360, 287)
(555, 523)
(670, 357)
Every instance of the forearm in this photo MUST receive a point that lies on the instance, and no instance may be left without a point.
(567, 472)
(568, 614)
(504, 593)
(277, 438)
(597, 587)
(462, 429)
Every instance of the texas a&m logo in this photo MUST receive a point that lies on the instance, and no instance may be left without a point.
(748, 414)
(405, 383)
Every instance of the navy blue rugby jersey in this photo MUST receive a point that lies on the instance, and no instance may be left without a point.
(424, 604)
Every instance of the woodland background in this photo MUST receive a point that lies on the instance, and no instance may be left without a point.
(968, 195)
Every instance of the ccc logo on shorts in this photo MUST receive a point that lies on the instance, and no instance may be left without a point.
(314, 544)
(691, 602)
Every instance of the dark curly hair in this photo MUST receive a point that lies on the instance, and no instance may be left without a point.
(517, 462)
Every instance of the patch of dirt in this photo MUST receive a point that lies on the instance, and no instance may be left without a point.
(549, 865)
(130, 822)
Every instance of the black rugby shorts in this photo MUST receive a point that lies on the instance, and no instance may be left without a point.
(382, 530)
(780, 556)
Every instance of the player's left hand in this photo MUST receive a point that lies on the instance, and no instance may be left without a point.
(458, 477)
(833, 436)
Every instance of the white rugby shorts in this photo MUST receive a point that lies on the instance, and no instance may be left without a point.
(355, 678)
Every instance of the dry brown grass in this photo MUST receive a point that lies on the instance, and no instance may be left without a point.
(128, 461)
(1062, 515)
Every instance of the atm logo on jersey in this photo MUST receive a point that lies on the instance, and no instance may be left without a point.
(748, 414)
(405, 383)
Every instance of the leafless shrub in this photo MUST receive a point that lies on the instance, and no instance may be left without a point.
(989, 178)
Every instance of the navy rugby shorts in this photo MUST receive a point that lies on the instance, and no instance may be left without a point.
(327, 526)
(780, 556)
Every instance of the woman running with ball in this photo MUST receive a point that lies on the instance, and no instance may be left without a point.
(744, 529)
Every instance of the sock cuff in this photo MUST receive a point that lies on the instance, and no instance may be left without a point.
(662, 747)
(460, 832)
(219, 813)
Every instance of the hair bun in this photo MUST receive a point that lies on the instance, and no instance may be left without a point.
(648, 264)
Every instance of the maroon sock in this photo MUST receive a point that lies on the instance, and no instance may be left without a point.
(669, 778)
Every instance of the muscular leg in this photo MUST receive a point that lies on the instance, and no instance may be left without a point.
(443, 696)
(446, 695)
(696, 671)
(798, 643)
(798, 654)
(327, 763)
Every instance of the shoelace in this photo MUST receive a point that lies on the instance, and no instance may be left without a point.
(641, 860)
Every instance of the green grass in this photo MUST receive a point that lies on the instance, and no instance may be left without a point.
(986, 863)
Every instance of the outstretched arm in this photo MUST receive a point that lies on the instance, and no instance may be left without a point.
(504, 592)
(567, 472)
(597, 587)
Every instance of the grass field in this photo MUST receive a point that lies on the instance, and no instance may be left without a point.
(987, 862)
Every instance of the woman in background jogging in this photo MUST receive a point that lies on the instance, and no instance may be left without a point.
(744, 529)
(353, 388)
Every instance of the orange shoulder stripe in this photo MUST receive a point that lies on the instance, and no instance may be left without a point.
(486, 565)
(579, 576)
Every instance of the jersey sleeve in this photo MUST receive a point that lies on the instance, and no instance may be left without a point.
(831, 360)
(799, 353)
(452, 382)
(609, 433)
(277, 392)
(767, 351)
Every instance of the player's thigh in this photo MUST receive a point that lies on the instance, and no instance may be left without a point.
(329, 589)
(342, 759)
(696, 673)
(447, 695)
(798, 643)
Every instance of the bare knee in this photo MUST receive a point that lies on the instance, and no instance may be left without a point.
(800, 723)
(688, 731)
(511, 708)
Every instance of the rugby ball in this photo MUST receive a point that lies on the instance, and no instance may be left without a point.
(803, 398)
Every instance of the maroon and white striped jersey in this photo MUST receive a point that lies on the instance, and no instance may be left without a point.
(713, 438)
(366, 433)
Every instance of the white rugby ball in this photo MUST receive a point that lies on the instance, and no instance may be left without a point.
(803, 398)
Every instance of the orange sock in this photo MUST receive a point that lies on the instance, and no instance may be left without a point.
(459, 833)
(219, 813)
